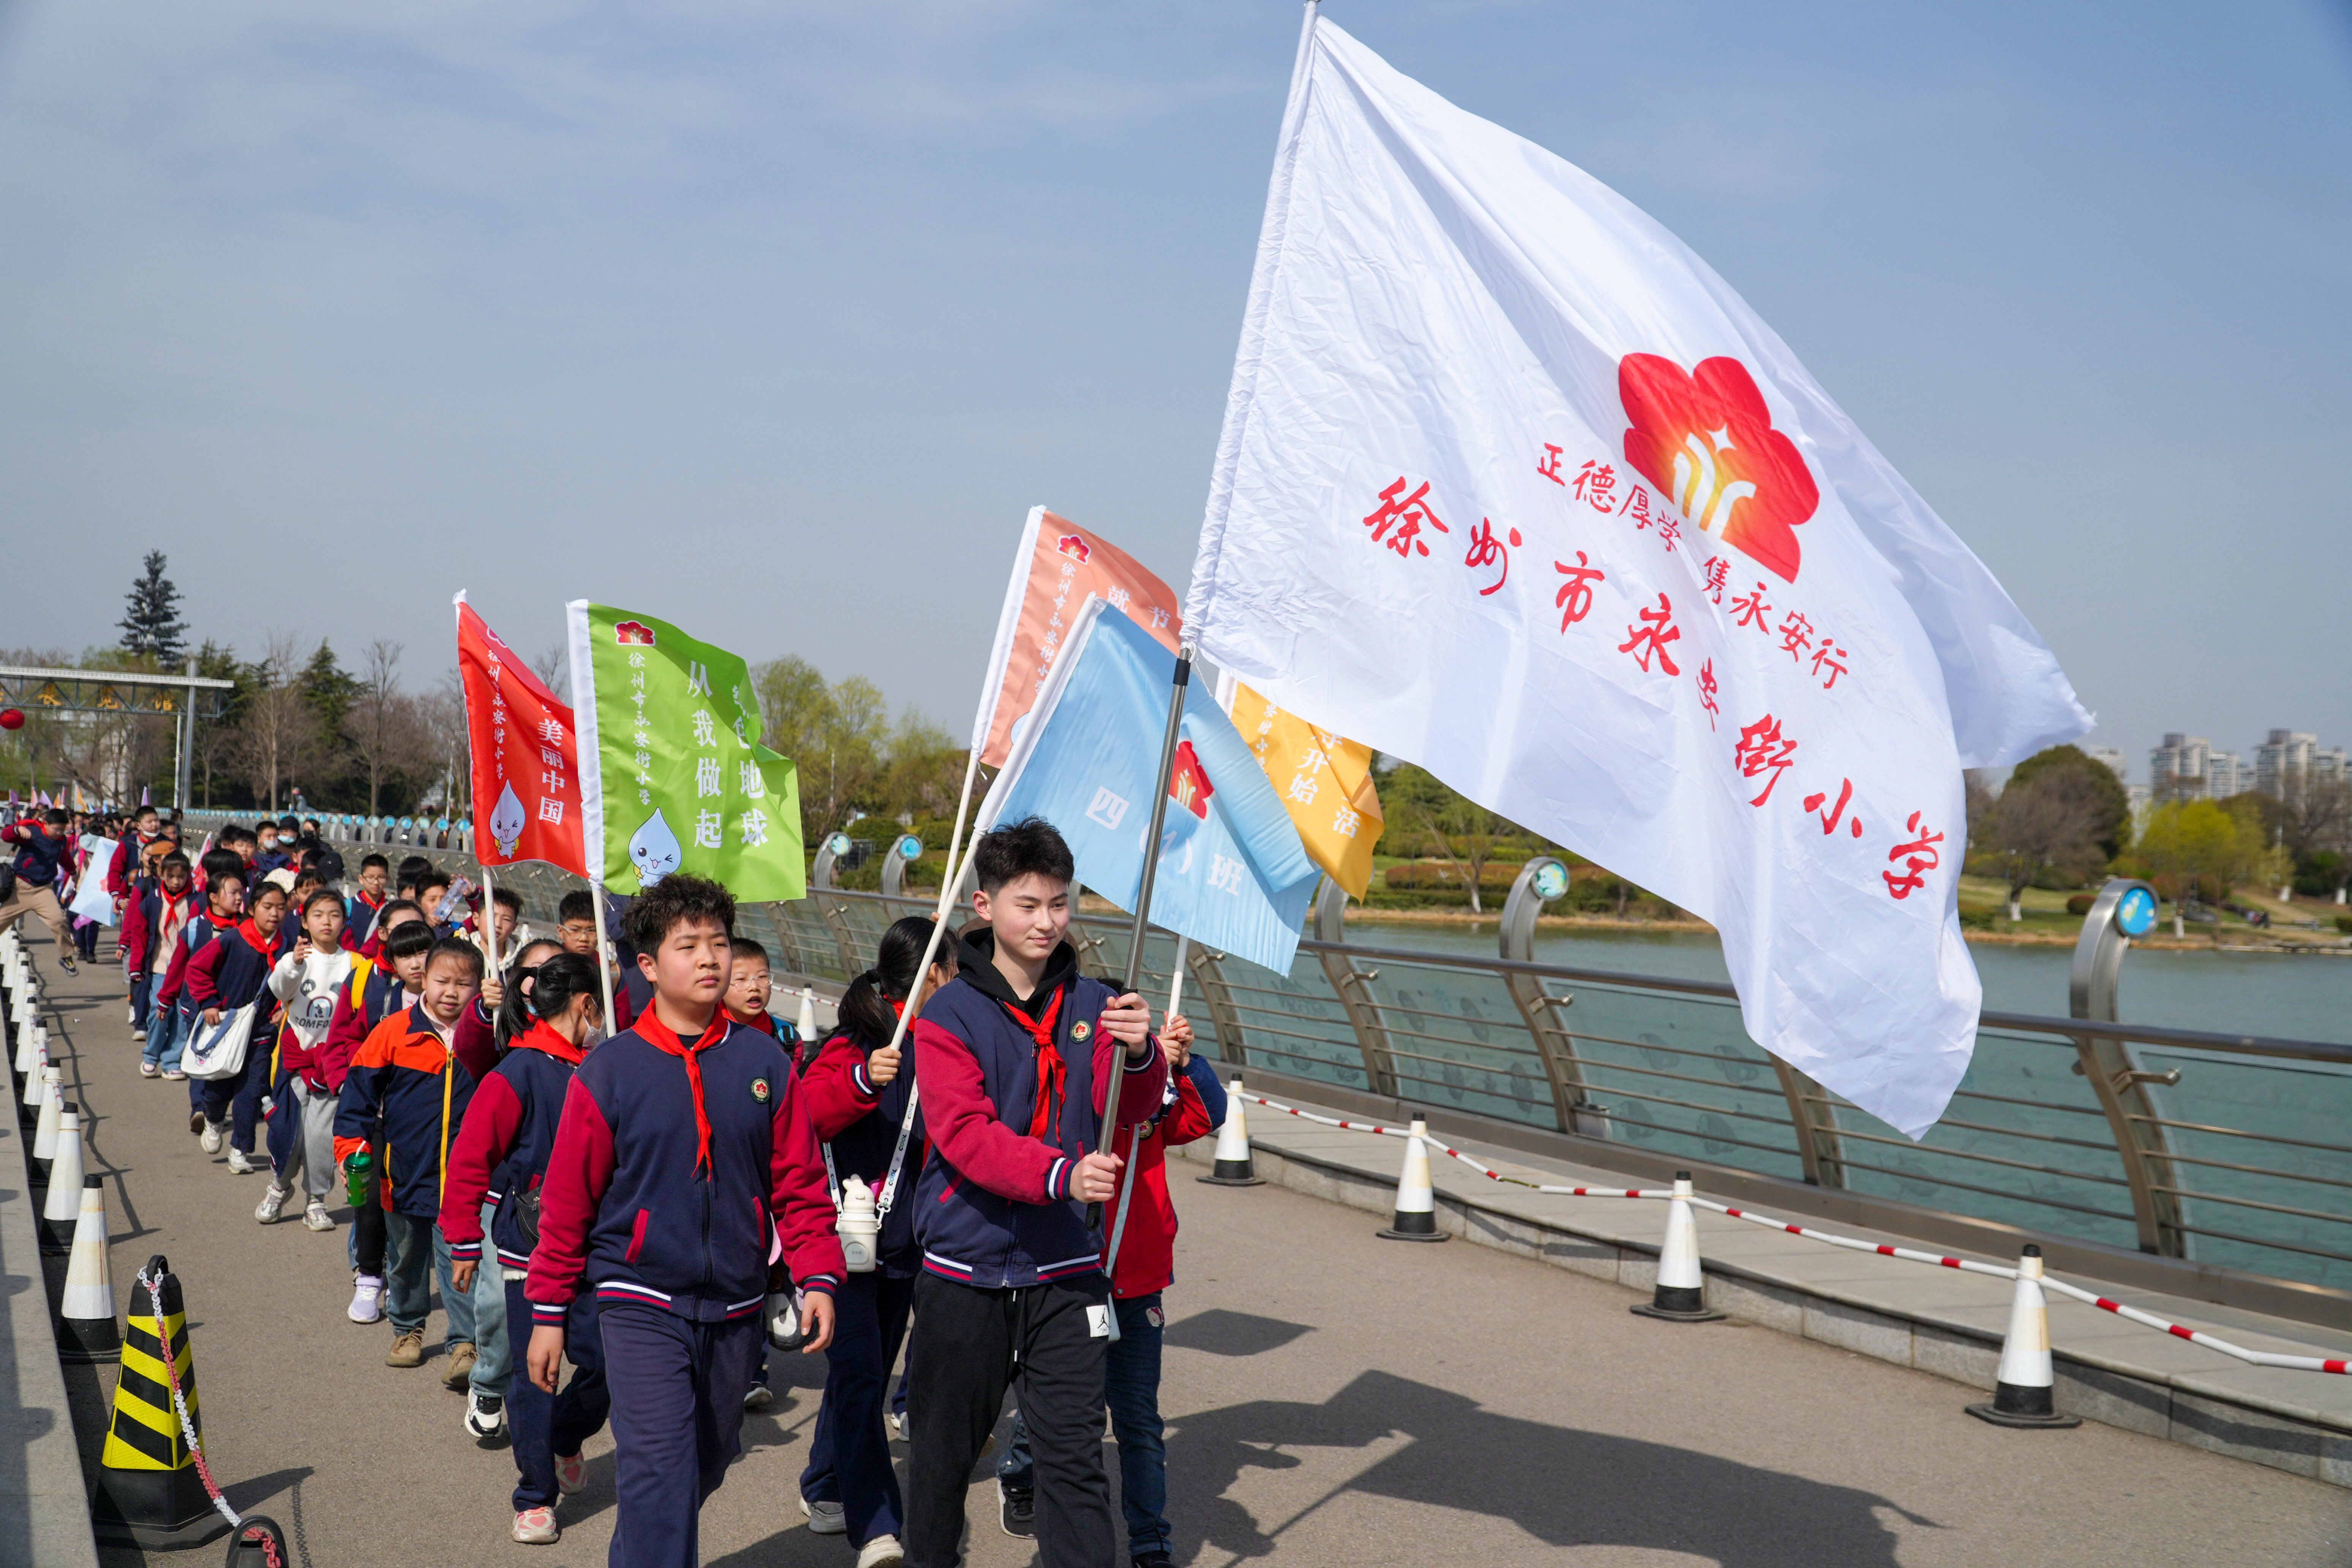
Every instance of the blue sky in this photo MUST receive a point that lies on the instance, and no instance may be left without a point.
(774, 319)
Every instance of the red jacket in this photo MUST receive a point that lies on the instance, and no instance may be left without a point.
(1146, 1249)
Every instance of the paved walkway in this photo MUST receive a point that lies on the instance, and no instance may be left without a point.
(1333, 1398)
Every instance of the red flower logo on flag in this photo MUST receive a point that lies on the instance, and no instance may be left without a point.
(636, 632)
(1705, 439)
(1188, 782)
(1076, 548)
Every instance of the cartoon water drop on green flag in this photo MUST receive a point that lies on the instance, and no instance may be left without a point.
(673, 776)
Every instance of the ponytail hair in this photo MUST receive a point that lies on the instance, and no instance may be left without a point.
(557, 982)
(865, 1009)
(514, 1018)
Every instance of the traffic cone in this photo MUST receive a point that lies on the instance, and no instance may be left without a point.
(61, 1209)
(1416, 1204)
(37, 1085)
(1232, 1168)
(148, 1492)
(45, 1130)
(86, 1329)
(28, 1035)
(1680, 1297)
(808, 1016)
(2023, 1388)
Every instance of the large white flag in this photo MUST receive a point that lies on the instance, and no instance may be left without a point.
(1512, 485)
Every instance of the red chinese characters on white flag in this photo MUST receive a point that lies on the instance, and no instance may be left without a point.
(1513, 486)
(526, 756)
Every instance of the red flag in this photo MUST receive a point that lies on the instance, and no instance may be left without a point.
(526, 755)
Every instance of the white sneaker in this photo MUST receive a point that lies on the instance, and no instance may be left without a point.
(486, 1414)
(149, 1070)
(241, 1163)
(570, 1473)
(211, 1139)
(758, 1396)
(367, 1300)
(315, 1216)
(536, 1527)
(824, 1518)
(273, 1202)
(896, 1425)
(882, 1551)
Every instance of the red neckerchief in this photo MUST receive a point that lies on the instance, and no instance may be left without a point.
(172, 913)
(266, 947)
(543, 1036)
(758, 1020)
(666, 1039)
(1052, 1072)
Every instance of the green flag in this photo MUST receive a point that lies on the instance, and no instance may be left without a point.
(673, 776)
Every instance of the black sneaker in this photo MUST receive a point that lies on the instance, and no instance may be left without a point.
(1154, 1560)
(1017, 1510)
(65, 961)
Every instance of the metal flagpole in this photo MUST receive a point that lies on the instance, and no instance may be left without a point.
(1109, 1141)
(603, 955)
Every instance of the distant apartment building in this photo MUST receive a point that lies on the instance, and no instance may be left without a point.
(2186, 767)
(2226, 775)
(2109, 755)
(2290, 764)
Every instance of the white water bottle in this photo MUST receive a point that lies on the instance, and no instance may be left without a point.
(859, 1226)
(784, 1314)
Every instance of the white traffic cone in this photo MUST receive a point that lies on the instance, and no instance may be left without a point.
(1234, 1168)
(2023, 1388)
(87, 1331)
(61, 1209)
(37, 1086)
(807, 1021)
(28, 1034)
(1681, 1294)
(1416, 1204)
(45, 1130)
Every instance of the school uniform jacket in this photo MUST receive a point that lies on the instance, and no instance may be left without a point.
(231, 970)
(370, 994)
(629, 1209)
(993, 1208)
(506, 1142)
(405, 1075)
(859, 1124)
(145, 941)
(1147, 1250)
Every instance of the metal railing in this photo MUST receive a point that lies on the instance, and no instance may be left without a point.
(406, 834)
(2228, 1151)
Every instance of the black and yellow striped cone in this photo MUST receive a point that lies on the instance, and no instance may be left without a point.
(148, 1494)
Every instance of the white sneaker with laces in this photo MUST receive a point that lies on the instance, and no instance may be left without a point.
(211, 1139)
(486, 1414)
(241, 1163)
(882, 1551)
(367, 1300)
(272, 1204)
(315, 1216)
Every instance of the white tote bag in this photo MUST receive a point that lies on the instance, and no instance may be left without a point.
(218, 1050)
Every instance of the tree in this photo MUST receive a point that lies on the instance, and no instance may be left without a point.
(2112, 832)
(925, 770)
(1421, 808)
(837, 734)
(279, 736)
(386, 731)
(2047, 820)
(2194, 844)
(216, 743)
(152, 626)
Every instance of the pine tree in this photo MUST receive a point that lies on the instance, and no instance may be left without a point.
(151, 622)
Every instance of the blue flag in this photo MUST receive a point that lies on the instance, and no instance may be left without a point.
(1233, 873)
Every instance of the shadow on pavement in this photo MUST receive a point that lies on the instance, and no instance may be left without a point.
(1563, 1485)
(1220, 1332)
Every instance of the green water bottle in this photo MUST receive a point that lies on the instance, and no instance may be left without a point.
(355, 1178)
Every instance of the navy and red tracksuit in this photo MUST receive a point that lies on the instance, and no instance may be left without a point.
(360, 911)
(1013, 1088)
(505, 1145)
(680, 1163)
(406, 1093)
(849, 1454)
(147, 913)
(231, 970)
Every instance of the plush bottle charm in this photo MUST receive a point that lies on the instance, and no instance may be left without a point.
(859, 1226)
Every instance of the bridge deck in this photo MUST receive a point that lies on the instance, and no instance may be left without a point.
(1332, 1398)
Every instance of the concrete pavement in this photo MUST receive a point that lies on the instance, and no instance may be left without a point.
(1332, 1398)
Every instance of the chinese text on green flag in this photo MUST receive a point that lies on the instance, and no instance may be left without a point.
(673, 776)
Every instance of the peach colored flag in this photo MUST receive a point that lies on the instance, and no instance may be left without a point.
(1057, 564)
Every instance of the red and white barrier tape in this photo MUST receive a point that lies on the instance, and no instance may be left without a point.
(1853, 1244)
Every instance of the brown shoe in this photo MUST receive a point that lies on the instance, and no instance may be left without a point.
(407, 1349)
(461, 1364)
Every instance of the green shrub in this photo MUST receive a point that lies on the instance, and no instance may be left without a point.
(2080, 904)
(2344, 924)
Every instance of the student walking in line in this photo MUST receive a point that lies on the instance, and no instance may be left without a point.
(1017, 1062)
(408, 1081)
(679, 1162)
(748, 984)
(302, 1114)
(153, 919)
(391, 982)
(857, 1091)
(233, 972)
(509, 1132)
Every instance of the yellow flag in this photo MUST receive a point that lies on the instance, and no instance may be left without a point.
(1325, 781)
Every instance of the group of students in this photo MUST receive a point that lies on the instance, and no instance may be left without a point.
(655, 1196)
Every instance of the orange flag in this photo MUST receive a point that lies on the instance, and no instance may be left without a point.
(1056, 566)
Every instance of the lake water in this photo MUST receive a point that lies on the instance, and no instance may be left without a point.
(2282, 994)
